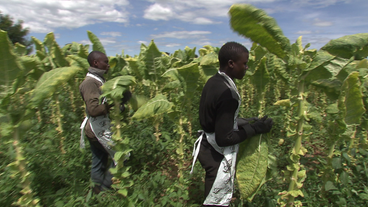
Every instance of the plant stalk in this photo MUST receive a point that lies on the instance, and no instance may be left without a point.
(298, 143)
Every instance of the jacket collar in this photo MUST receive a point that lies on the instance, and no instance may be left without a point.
(97, 72)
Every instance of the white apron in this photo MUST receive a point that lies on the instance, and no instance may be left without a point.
(100, 126)
(222, 190)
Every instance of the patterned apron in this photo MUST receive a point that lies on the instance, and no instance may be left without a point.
(223, 186)
(100, 126)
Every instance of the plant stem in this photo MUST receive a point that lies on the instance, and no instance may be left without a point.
(298, 143)
(116, 118)
(180, 151)
(27, 198)
(59, 122)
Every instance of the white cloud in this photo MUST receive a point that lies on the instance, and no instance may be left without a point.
(320, 23)
(43, 16)
(202, 20)
(142, 42)
(304, 32)
(158, 12)
(194, 11)
(112, 34)
(172, 45)
(182, 34)
(319, 3)
(104, 41)
(201, 42)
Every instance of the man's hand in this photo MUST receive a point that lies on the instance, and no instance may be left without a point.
(263, 125)
(244, 121)
(126, 97)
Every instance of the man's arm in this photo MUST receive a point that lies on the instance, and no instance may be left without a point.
(91, 93)
(224, 126)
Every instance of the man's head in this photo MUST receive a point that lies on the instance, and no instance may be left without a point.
(233, 58)
(98, 60)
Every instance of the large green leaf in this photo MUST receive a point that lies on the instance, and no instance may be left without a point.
(209, 64)
(20, 49)
(261, 77)
(50, 82)
(255, 24)
(322, 57)
(137, 101)
(117, 63)
(59, 56)
(351, 101)
(78, 61)
(115, 87)
(39, 45)
(154, 107)
(49, 41)
(31, 66)
(97, 45)
(252, 164)
(324, 67)
(332, 87)
(190, 53)
(134, 67)
(148, 58)
(348, 46)
(9, 63)
(83, 51)
(190, 74)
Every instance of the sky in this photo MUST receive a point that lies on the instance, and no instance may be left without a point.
(123, 25)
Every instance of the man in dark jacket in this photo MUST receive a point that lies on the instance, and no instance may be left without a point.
(96, 125)
(222, 132)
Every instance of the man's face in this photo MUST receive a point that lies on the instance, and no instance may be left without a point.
(239, 67)
(102, 63)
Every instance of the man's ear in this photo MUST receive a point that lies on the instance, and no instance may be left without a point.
(230, 63)
(94, 63)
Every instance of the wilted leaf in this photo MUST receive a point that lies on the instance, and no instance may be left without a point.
(251, 165)
(255, 24)
(154, 107)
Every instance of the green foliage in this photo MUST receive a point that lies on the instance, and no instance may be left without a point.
(351, 45)
(255, 24)
(49, 83)
(97, 46)
(154, 107)
(353, 107)
(317, 100)
(10, 66)
(115, 87)
(252, 165)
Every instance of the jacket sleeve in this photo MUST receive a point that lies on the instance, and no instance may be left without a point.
(224, 125)
(91, 92)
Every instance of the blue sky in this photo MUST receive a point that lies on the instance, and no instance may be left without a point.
(174, 24)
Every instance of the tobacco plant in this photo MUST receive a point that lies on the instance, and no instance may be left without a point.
(319, 99)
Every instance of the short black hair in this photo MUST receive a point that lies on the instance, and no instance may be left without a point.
(93, 56)
(230, 51)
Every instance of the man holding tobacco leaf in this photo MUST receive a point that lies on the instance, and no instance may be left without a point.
(96, 126)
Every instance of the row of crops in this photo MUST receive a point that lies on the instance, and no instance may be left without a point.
(316, 154)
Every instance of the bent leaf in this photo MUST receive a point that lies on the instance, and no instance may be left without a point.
(97, 45)
(50, 82)
(255, 24)
(148, 58)
(115, 87)
(351, 101)
(190, 74)
(154, 107)
(9, 62)
(261, 76)
(251, 165)
(348, 46)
